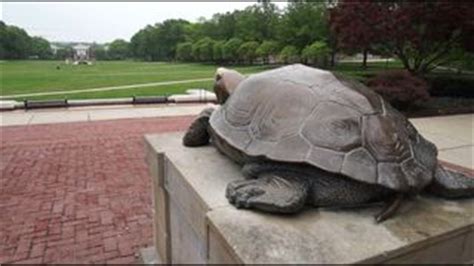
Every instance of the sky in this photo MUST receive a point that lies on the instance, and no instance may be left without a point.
(104, 21)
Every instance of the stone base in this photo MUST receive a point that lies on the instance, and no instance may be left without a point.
(149, 256)
(194, 223)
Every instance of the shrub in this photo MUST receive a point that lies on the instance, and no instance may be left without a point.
(289, 54)
(247, 51)
(202, 49)
(316, 53)
(268, 49)
(399, 87)
(451, 85)
(218, 51)
(184, 51)
(229, 51)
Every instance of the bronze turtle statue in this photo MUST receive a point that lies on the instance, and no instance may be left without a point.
(306, 136)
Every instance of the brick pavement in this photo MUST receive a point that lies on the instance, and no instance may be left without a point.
(77, 192)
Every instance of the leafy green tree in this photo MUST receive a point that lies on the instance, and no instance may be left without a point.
(63, 53)
(159, 42)
(303, 23)
(257, 22)
(118, 50)
(15, 42)
(230, 49)
(141, 44)
(170, 33)
(248, 25)
(40, 47)
(248, 51)
(225, 25)
(98, 52)
(218, 51)
(202, 49)
(289, 54)
(268, 49)
(316, 53)
(184, 51)
(3, 34)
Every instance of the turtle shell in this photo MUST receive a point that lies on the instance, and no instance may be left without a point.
(306, 115)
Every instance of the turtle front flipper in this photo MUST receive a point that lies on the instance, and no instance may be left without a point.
(198, 134)
(450, 184)
(270, 192)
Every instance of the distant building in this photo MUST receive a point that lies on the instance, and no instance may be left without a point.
(82, 54)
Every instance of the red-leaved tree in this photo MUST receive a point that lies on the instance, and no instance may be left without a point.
(422, 34)
(352, 23)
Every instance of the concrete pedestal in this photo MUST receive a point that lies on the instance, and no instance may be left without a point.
(194, 223)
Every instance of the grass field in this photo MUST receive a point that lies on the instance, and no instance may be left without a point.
(24, 77)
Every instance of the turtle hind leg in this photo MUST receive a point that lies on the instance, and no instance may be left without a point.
(450, 184)
(390, 208)
(198, 134)
(270, 192)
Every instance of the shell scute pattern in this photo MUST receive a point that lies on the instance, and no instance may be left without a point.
(305, 115)
(333, 126)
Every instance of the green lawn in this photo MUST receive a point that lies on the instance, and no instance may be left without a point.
(20, 77)
(23, 77)
(355, 70)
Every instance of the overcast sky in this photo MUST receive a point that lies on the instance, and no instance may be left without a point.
(104, 22)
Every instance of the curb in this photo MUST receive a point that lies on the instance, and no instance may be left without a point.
(192, 96)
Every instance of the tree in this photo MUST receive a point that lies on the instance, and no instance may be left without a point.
(3, 34)
(225, 25)
(303, 23)
(421, 34)
(159, 42)
(41, 48)
(169, 34)
(118, 50)
(15, 42)
(202, 49)
(289, 54)
(218, 51)
(354, 25)
(141, 44)
(98, 51)
(257, 22)
(63, 53)
(316, 53)
(230, 49)
(268, 49)
(184, 51)
(248, 51)
(424, 35)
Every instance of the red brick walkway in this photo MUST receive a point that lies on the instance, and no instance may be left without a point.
(77, 192)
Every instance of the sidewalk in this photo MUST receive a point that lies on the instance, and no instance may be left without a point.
(453, 135)
(97, 113)
(77, 192)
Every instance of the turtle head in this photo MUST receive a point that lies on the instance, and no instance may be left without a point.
(226, 82)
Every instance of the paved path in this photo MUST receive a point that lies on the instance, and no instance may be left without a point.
(453, 135)
(90, 114)
(77, 192)
(124, 87)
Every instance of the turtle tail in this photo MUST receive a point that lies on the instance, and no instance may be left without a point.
(450, 184)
